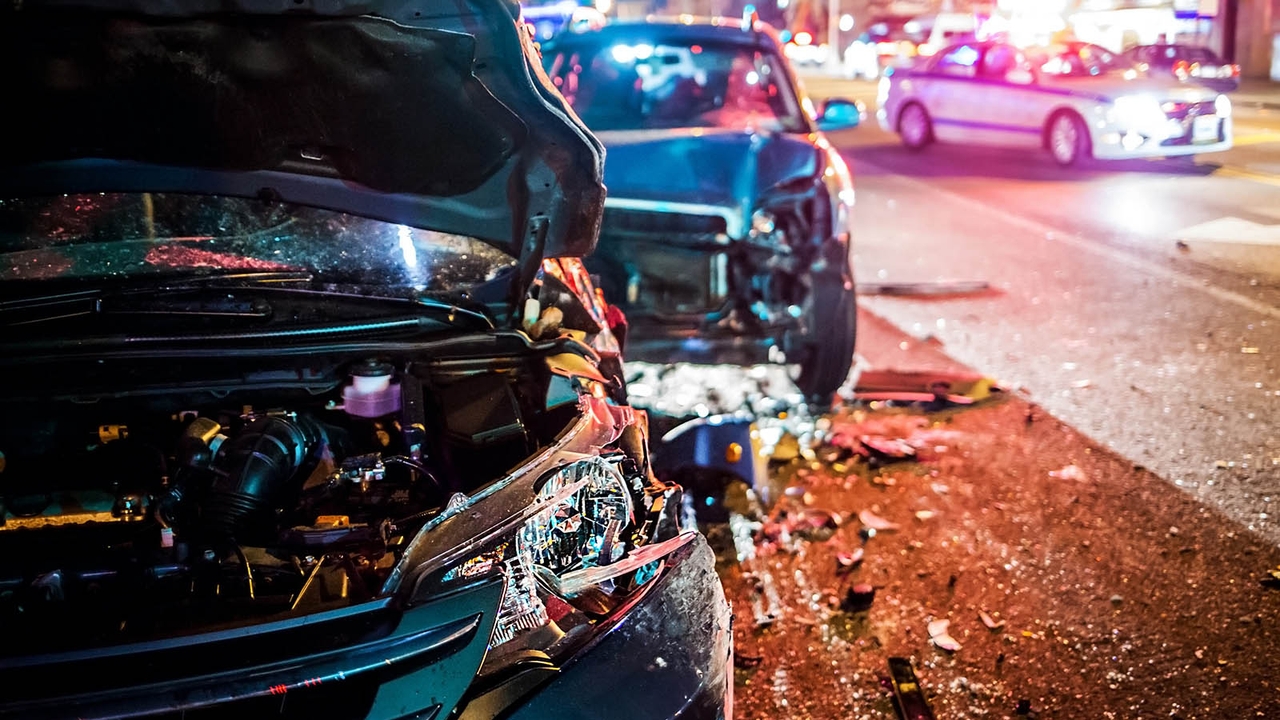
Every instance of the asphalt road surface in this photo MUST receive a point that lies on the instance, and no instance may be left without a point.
(1137, 301)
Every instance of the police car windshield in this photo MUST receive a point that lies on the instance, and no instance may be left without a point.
(633, 86)
(1077, 60)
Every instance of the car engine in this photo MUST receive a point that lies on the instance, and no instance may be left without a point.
(131, 517)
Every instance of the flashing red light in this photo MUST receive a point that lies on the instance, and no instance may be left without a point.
(696, 49)
(1182, 69)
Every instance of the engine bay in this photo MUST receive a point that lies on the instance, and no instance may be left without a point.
(134, 517)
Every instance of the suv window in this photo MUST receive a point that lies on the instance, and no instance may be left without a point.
(960, 61)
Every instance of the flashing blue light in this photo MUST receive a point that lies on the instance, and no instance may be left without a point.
(966, 56)
(748, 9)
(710, 502)
(785, 36)
(888, 71)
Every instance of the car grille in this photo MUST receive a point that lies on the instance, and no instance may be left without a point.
(649, 222)
(1183, 110)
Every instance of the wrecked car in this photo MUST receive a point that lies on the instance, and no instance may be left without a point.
(727, 235)
(313, 410)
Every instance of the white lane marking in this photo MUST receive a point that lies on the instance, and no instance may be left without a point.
(1233, 230)
(1096, 247)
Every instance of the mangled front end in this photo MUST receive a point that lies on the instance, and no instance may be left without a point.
(719, 244)
(383, 536)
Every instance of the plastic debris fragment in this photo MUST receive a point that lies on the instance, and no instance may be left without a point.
(990, 622)
(847, 561)
(1070, 472)
(875, 522)
(940, 637)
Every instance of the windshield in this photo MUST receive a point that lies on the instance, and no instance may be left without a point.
(118, 237)
(1077, 60)
(640, 86)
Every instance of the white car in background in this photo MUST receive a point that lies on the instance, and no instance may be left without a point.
(1074, 99)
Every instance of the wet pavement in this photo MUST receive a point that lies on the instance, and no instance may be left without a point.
(1138, 301)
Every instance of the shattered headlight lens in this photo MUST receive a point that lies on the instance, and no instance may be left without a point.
(585, 529)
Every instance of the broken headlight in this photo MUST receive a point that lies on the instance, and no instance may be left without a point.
(586, 528)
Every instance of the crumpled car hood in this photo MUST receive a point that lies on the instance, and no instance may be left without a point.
(432, 114)
(723, 167)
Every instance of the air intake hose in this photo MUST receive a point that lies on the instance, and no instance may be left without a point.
(252, 470)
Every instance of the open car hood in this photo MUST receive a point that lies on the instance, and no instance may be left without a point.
(432, 113)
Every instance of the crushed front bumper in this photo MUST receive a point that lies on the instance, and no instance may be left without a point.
(669, 656)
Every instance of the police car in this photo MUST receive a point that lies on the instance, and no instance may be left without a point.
(1074, 99)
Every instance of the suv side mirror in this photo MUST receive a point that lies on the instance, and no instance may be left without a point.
(840, 114)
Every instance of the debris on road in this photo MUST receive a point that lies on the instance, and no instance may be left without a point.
(1070, 472)
(858, 598)
(875, 522)
(941, 287)
(882, 448)
(847, 561)
(989, 621)
(1272, 580)
(910, 700)
(939, 636)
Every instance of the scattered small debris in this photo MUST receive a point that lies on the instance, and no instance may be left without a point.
(1272, 580)
(1249, 350)
(875, 522)
(990, 622)
(1024, 707)
(1182, 245)
(847, 561)
(940, 488)
(939, 636)
(925, 514)
(884, 480)
(858, 598)
(1070, 472)
(911, 703)
(1082, 384)
(1116, 599)
(745, 661)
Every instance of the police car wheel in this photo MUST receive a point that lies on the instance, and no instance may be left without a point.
(1068, 139)
(915, 127)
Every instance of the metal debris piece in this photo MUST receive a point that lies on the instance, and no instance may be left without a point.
(847, 561)
(943, 287)
(910, 701)
(1070, 472)
(990, 622)
(875, 522)
(858, 598)
(939, 636)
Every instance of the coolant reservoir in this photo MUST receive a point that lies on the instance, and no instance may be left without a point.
(371, 393)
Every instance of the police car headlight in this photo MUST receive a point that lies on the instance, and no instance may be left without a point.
(1222, 106)
(1139, 112)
